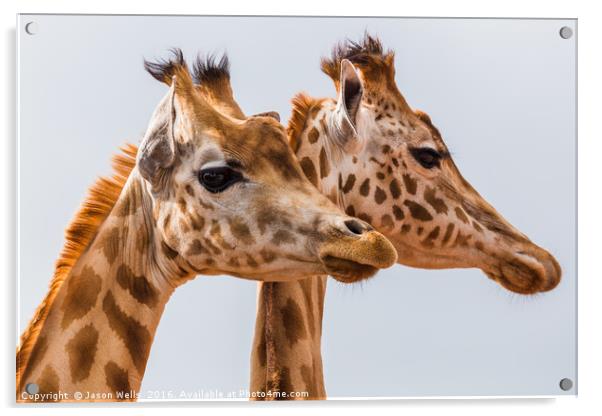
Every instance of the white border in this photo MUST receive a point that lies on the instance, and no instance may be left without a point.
(590, 285)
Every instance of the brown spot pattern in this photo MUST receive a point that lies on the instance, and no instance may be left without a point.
(268, 256)
(270, 217)
(212, 247)
(128, 206)
(324, 165)
(365, 217)
(283, 237)
(216, 234)
(309, 170)
(379, 195)
(182, 205)
(138, 286)
(284, 382)
(294, 325)
(398, 213)
(82, 350)
(461, 215)
(386, 221)
(117, 379)
(189, 190)
(395, 189)
(410, 184)
(240, 230)
(429, 241)
(313, 135)
(82, 293)
(365, 187)
(197, 221)
(251, 262)
(461, 240)
(136, 337)
(448, 233)
(142, 240)
(110, 245)
(48, 381)
(349, 183)
(195, 248)
(418, 211)
(168, 251)
(437, 203)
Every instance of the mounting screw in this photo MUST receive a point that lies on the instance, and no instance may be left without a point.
(566, 384)
(32, 388)
(31, 28)
(566, 32)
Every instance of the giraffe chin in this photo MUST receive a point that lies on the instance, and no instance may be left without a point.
(347, 271)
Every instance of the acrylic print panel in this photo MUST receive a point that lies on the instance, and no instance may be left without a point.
(500, 91)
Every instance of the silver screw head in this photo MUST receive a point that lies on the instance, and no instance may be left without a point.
(566, 384)
(566, 32)
(32, 388)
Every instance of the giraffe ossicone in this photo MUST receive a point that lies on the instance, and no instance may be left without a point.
(208, 191)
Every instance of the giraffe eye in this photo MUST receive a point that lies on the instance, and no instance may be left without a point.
(427, 157)
(217, 179)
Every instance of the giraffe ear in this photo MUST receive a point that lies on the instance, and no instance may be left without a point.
(349, 99)
(157, 150)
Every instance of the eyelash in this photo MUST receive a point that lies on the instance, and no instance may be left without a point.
(422, 155)
(228, 178)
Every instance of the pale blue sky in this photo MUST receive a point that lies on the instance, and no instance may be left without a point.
(502, 92)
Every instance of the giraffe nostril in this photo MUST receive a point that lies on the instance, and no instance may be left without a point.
(356, 227)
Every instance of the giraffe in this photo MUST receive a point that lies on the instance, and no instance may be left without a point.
(205, 193)
(387, 164)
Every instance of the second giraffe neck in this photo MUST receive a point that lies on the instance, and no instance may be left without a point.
(294, 324)
(286, 360)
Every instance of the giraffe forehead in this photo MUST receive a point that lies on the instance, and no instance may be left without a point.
(253, 147)
(396, 121)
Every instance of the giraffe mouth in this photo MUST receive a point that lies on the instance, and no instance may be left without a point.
(347, 271)
(528, 272)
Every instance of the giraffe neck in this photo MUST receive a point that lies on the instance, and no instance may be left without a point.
(297, 306)
(97, 333)
(286, 355)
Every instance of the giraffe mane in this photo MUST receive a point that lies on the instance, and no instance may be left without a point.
(303, 105)
(95, 208)
(368, 52)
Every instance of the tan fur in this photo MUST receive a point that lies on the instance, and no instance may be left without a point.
(101, 199)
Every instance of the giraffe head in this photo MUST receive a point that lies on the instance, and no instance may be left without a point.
(229, 196)
(388, 165)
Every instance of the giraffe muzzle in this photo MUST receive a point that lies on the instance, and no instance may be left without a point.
(356, 252)
(529, 270)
